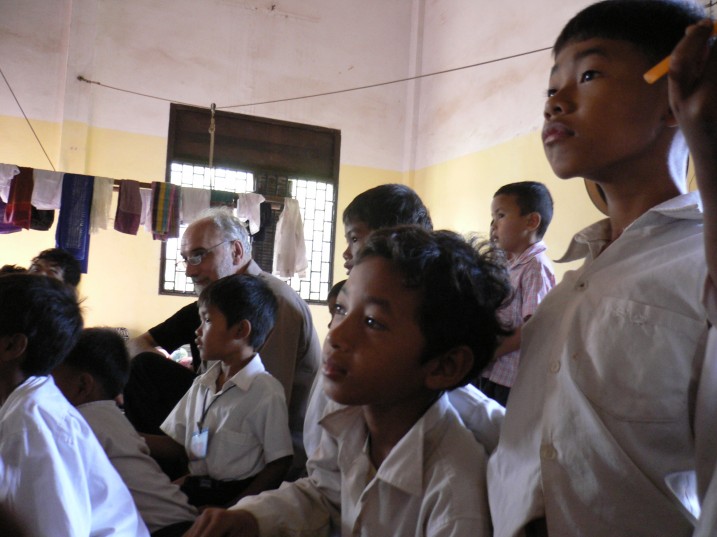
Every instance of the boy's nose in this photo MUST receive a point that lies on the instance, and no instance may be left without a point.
(347, 253)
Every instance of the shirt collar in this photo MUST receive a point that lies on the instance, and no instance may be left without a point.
(592, 239)
(403, 468)
(242, 379)
(529, 253)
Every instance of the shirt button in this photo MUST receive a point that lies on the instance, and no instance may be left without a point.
(574, 356)
(548, 452)
(581, 286)
(554, 366)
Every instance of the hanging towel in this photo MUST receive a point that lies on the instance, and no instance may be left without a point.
(19, 208)
(219, 198)
(289, 245)
(145, 218)
(41, 220)
(248, 209)
(165, 210)
(101, 202)
(6, 227)
(129, 207)
(48, 189)
(73, 225)
(194, 202)
(7, 172)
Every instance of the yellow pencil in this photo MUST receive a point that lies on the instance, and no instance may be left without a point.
(660, 70)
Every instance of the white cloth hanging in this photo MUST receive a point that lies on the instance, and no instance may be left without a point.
(145, 217)
(7, 172)
(289, 245)
(101, 202)
(248, 208)
(47, 191)
(194, 202)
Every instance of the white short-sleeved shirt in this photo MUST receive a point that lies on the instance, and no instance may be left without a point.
(247, 421)
(601, 410)
(54, 474)
(431, 484)
(160, 502)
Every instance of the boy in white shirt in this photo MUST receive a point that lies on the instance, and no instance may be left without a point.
(91, 378)
(232, 424)
(417, 317)
(54, 475)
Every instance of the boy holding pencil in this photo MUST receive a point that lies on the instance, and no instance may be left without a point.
(601, 411)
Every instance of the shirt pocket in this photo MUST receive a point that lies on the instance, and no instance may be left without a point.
(638, 368)
(236, 454)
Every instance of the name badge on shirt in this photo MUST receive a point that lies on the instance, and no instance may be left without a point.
(198, 445)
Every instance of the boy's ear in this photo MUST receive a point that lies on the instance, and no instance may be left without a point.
(449, 369)
(242, 329)
(12, 346)
(534, 219)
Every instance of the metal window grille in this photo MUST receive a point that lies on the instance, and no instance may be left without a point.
(317, 202)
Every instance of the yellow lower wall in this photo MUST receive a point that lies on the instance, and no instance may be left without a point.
(121, 287)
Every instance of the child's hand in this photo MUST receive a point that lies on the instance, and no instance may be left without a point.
(224, 523)
(693, 90)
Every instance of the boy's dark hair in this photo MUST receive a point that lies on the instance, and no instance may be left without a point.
(463, 282)
(239, 297)
(101, 352)
(46, 312)
(386, 206)
(71, 268)
(653, 26)
(531, 197)
(12, 269)
(335, 289)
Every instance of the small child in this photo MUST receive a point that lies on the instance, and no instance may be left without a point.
(521, 213)
(54, 475)
(601, 412)
(91, 378)
(416, 318)
(233, 421)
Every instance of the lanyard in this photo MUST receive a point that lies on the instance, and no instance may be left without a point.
(206, 408)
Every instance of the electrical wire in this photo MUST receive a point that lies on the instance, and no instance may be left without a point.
(326, 93)
(26, 119)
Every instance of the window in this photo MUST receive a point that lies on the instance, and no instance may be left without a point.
(274, 158)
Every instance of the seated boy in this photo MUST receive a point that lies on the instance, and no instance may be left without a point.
(377, 208)
(91, 378)
(601, 411)
(521, 213)
(233, 421)
(54, 475)
(416, 318)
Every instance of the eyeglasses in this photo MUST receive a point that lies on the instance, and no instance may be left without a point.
(195, 259)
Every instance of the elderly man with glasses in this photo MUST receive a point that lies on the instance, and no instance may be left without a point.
(214, 246)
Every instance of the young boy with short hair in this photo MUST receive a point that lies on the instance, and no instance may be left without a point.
(416, 318)
(54, 475)
(233, 422)
(59, 264)
(91, 378)
(520, 216)
(601, 411)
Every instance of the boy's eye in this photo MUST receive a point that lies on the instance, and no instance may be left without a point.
(588, 75)
(338, 310)
(551, 92)
(374, 324)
